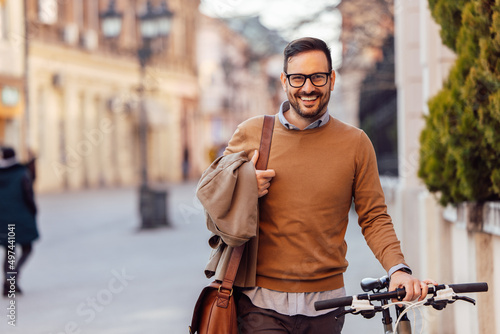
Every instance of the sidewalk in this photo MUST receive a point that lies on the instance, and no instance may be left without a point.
(94, 272)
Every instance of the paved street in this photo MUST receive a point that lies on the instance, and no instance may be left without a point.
(94, 272)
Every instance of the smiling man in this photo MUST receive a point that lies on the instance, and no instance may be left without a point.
(317, 166)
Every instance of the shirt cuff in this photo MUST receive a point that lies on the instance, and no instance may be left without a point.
(397, 267)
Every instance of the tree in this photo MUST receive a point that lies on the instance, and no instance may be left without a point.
(460, 144)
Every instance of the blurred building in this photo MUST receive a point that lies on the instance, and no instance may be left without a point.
(378, 109)
(12, 75)
(454, 244)
(368, 91)
(80, 112)
(239, 68)
(83, 93)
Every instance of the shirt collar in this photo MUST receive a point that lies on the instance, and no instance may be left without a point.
(9, 162)
(285, 106)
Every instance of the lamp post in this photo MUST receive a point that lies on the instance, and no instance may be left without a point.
(154, 24)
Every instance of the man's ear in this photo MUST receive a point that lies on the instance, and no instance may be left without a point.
(283, 80)
(332, 79)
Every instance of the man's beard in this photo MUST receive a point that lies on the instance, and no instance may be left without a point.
(305, 113)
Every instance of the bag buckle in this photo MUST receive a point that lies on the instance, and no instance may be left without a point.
(230, 292)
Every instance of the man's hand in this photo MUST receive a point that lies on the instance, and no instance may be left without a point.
(264, 177)
(413, 286)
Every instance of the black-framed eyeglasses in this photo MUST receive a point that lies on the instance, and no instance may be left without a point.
(317, 79)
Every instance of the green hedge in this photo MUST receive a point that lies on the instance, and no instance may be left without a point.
(460, 144)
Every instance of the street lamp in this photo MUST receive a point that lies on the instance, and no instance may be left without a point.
(164, 18)
(111, 22)
(154, 24)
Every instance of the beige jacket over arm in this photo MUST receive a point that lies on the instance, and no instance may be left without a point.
(228, 192)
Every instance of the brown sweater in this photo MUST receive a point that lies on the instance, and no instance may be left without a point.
(303, 218)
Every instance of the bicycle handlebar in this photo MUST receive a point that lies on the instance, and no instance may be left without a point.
(397, 294)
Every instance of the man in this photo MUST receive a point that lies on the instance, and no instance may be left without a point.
(317, 166)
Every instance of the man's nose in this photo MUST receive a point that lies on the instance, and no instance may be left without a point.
(308, 86)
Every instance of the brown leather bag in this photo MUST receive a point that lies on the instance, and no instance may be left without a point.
(215, 310)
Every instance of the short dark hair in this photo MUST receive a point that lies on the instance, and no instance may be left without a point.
(303, 45)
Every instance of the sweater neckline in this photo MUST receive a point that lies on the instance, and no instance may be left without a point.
(329, 124)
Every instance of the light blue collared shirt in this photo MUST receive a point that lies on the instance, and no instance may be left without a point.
(285, 106)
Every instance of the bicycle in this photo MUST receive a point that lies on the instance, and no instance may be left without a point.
(440, 296)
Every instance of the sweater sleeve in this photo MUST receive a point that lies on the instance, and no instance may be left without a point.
(369, 200)
(246, 137)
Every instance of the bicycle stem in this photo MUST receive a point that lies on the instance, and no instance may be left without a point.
(404, 326)
(386, 318)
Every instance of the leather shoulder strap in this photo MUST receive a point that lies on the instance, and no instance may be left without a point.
(264, 150)
(265, 142)
(232, 267)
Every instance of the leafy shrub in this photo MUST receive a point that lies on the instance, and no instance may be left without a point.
(460, 144)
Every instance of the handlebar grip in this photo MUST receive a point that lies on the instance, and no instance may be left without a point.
(469, 287)
(332, 303)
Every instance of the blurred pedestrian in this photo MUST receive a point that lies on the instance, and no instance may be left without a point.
(17, 215)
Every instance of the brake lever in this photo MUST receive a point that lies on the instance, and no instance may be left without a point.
(344, 312)
(365, 314)
(464, 298)
(440, 304)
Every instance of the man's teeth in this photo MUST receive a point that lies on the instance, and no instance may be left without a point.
(308, 98)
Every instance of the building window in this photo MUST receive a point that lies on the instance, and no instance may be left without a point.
(47, 11)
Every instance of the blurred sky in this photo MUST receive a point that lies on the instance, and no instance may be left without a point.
(283, 16)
